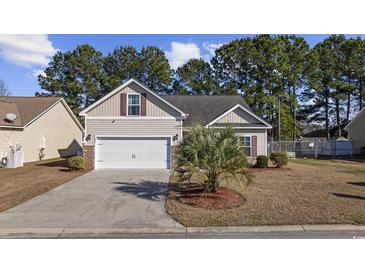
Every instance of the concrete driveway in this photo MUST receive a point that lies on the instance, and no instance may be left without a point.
(99, 199)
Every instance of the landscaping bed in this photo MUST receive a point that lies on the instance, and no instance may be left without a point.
(21, 184)
(305, 192)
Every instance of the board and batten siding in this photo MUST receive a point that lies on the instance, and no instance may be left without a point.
(232, 117)
(357, 134)
(111, 106)
(261, 138)
(61, 134)
(238, 116)
(132, 127)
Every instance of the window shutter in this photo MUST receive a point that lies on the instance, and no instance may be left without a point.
(123, 104)
(143, 104)
(254, 146)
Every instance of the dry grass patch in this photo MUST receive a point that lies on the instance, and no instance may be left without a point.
(306, 192)
(21, 184)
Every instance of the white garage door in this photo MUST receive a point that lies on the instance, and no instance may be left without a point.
(117, 152)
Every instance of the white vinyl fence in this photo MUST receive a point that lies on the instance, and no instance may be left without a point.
(326, 148)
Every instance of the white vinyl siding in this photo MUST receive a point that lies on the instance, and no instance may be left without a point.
(231, 117)
(357, 133)
(261, 138)
(61, 134)
(238, 116)
(111, 106)
(132, 127)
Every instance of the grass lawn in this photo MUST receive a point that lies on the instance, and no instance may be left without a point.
(306, 192)
(21, 184)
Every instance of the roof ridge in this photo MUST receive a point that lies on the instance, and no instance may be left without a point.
(53, 97)
(200, 95)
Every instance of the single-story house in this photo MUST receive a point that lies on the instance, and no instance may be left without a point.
(43, 127)
(356, 132)
(133, 127)
(315, 135)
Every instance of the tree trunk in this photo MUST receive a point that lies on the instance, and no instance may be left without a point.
(326, 115)
(360, 96)
(337, 102)
(348, 107)
(211, 184)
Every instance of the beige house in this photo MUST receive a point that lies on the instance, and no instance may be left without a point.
(356, 132)
(44, 127)
(133, 127)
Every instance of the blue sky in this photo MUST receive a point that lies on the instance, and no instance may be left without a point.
(24, 56)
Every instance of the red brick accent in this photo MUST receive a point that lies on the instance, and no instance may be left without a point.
(89, 157)
(173, 157)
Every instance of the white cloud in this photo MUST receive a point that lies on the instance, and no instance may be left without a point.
(181, 53)
(210, 49)
(26, 50)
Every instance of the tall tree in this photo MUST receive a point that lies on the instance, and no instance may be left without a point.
(265, 69)
(149, 66)
(120, 66)
(330, 84)
(155, 69)
(356, 69)
(4, 91)
(75, 75)
(195, 78)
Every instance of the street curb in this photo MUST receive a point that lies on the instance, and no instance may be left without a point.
(178, 231)
(243, 229)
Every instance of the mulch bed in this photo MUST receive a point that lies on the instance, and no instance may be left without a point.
(223, 198)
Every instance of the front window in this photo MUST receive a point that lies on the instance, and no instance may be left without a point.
(134, 105)
(246, 143)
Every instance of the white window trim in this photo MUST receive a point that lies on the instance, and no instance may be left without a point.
(243, 136)
(140, 106)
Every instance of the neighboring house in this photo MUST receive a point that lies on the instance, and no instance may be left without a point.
(44, 127)
(133, 127)
(356, 132)
(314, 136)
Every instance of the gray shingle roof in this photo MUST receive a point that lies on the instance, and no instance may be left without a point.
(203, 109)
(26, 108)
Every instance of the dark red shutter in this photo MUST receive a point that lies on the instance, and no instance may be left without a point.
(143, 104)
(123, 104)
(254, 146)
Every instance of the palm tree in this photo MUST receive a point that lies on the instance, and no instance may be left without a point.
(212, 155)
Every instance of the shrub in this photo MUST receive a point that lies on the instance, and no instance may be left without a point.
(213, 155)
(76, 163)
(262, 161)
(279, 159)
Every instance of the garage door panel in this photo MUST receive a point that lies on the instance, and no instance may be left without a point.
(132, 152)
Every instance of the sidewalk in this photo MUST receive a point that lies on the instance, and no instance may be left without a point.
(288, 231)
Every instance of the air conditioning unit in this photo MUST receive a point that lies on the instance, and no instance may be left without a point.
(15, 157)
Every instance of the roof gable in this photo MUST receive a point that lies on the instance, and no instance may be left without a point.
(356, 118)
(249, 119)
(118, 89)
(28, 109)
